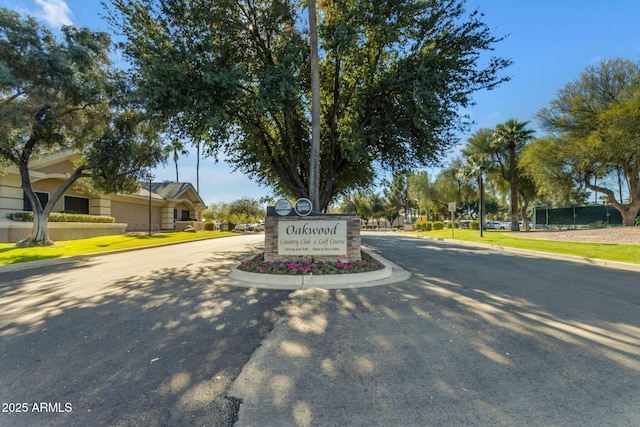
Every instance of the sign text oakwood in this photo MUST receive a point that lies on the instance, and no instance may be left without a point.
(319, 237)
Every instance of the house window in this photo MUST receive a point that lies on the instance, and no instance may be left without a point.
(78, 205)
(26, 204)
(185, 216)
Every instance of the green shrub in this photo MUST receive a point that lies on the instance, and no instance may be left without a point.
(21, 216)
(474, 225)
(452, 224)
(63, 217)
(438, 225)
(209, 226)
(67, 217)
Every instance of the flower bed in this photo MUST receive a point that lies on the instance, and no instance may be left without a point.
(257, 264)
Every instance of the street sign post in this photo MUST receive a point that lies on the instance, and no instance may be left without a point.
(452, 209)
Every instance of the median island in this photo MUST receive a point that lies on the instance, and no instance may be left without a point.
(310, 266)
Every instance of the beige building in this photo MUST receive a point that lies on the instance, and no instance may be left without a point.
(174, 206)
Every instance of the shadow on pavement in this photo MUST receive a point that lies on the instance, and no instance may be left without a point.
(158, 349)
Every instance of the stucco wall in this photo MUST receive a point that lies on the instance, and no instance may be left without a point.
(137, 215)
(11, 231)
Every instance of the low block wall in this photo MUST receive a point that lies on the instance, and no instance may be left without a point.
(12, 232)
(323, 238)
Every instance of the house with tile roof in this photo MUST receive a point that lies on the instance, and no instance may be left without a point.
(173, 206)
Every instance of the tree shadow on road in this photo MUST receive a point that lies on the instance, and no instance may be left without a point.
(447, 349)
(156, 349)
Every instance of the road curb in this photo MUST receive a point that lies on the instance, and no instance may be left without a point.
(541, 254)
(20, 266)
(391, 273)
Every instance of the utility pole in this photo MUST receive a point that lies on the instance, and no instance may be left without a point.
(314, 160)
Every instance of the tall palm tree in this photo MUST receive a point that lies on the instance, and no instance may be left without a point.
(475, 166)
(177, 148)
(512, 135)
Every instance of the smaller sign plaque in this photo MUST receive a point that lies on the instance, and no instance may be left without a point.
(303, 207)
(283, 207)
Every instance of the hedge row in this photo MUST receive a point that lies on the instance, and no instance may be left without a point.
(429, 225)
(63, 217)
(439, 225)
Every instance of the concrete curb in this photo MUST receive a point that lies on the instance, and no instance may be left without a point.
(540, 254)
(19, 266)
(391, 273)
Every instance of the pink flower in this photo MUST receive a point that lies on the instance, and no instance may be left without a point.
(292, 265)
(261, 270)
(307, 269)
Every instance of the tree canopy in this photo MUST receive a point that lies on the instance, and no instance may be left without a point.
(594, 126)
(236, 74)
(60, 95)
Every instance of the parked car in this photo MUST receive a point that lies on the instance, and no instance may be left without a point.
(492, 225)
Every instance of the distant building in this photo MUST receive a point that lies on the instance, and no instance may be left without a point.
(174, 206)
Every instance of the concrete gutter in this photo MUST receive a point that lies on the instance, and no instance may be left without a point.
(540, 254)
(19, 266)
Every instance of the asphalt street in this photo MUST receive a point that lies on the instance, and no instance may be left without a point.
(475, 336)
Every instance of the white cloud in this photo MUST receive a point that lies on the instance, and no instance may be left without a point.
(54, 12)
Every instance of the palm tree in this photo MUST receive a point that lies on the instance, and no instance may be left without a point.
(475, 166)
(512, 135)
(177, 148)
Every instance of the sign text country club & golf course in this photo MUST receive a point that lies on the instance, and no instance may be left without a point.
(312, 238)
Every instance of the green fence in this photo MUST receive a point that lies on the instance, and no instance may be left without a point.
(575, 216)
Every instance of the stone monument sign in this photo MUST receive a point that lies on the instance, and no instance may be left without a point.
(298, 232)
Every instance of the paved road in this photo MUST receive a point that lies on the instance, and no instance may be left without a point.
(146, 338)
(474, 337)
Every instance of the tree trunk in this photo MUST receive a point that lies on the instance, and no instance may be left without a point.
(481, 208)
(523, 214)
(513, 180)
(175, 160)
(627, 212)
(40, 233)
(629, 216)
(198, 167)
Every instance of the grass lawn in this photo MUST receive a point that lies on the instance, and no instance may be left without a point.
(624, 253)
(10, 254)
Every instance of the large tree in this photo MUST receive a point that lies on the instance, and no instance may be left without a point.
(56, 95)
(595, 135)
(511, 136)
(394, 76)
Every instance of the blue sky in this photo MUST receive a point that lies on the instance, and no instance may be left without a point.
(550, 41)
